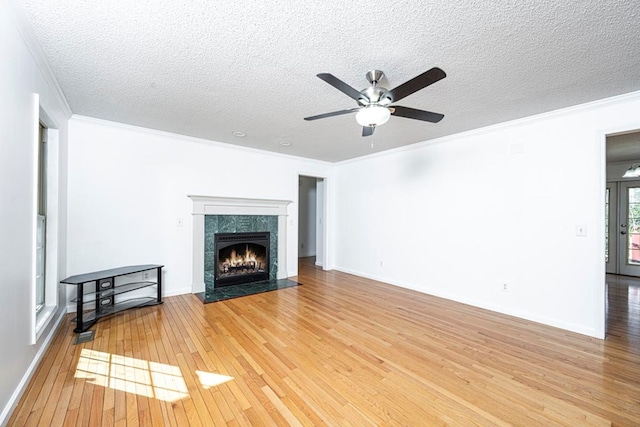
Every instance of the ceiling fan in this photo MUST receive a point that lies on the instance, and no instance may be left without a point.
(375, 101)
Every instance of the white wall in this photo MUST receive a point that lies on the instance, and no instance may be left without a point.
(307, 217)
(24, 89)
(461, 216)
(128, 187)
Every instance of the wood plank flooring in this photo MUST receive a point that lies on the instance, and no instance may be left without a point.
(339, 350)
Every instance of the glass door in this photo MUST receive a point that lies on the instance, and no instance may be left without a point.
(611, 228)
(629, 228)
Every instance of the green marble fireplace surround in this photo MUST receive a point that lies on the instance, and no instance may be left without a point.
(237, 224)
(213, 215)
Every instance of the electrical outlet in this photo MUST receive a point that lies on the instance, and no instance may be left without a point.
(381, 263)
(505, 287)
(145, 275)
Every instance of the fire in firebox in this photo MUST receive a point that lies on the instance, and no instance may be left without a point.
(241, 263)
(241, 258)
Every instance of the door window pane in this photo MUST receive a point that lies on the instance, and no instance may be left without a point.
(633, 228)
(606, 226)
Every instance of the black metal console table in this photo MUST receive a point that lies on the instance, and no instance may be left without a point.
(105, 291)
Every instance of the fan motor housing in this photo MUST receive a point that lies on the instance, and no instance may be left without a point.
(375, 94)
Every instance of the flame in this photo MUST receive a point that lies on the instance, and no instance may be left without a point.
(235, 260)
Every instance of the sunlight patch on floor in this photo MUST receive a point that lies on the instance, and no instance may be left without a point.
(208, 379)
(142, 377)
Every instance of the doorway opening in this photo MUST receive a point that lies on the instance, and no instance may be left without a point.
(622, 230)
(622, 205)
(311, 219)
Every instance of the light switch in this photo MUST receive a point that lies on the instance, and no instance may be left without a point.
(581, 230)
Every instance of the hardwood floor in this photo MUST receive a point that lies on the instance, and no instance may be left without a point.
(339, 350)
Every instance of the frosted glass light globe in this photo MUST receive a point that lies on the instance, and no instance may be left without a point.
(373, 116)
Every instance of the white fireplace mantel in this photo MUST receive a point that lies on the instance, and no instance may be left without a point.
(206, 205)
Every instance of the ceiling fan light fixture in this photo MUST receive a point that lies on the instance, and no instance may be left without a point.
(373, 116)
(375, 103)
(633, 171)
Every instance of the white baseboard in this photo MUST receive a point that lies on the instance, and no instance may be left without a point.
(26, 378)
(580, 329)
(175, 292)
(306, 255)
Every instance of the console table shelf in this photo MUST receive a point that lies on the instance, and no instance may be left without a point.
(105, 290)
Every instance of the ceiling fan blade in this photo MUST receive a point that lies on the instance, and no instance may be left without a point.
(415, 84)
(412, 113)
(334, 113)
(342, 86)
(367, 130)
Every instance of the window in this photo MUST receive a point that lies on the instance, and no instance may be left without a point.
(44, 276)
(41, 230)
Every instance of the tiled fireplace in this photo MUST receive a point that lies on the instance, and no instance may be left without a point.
(231, 218)
(245, 235)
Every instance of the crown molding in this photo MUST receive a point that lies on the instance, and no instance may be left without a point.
(210, 142)
(558, 113)
(30, 40)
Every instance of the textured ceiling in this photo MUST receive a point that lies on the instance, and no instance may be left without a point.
(208, 68)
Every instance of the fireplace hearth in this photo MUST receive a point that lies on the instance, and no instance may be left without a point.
(241, 258)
